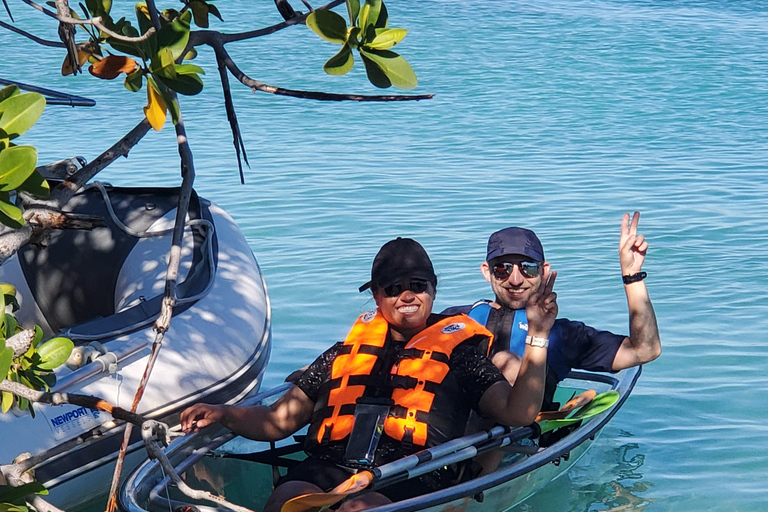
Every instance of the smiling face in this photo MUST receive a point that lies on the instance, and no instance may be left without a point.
(406, 312)
(516, 289)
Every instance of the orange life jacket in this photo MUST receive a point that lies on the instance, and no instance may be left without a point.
(412, 380)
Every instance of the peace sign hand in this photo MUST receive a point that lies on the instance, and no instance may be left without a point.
(541, 309)
(632, 247)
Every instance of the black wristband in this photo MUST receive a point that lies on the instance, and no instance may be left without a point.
(634, 277)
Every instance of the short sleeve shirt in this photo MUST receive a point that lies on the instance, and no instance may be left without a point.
(579, 346)
(473, 371)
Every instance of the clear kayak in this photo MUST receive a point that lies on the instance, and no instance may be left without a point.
(216, 460)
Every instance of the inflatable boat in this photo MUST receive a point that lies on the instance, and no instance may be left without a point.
(103, 288)
(215, 461)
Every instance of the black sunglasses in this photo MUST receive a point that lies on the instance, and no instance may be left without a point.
(502, 271)
(414, 285)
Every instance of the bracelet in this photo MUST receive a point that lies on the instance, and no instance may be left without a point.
(634, 277)
(537, 342)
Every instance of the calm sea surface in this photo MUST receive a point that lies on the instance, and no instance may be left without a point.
(554, 115)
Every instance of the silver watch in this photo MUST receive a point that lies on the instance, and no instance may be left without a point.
(537, 342)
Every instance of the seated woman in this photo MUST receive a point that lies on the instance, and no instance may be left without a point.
(402, 370)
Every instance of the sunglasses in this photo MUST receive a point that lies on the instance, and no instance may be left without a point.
(414, 285)
(502, 271)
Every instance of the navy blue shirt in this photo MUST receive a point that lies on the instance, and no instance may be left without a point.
(572, 345)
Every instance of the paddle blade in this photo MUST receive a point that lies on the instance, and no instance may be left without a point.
(318, 501)
(600, 403)
(579, 400)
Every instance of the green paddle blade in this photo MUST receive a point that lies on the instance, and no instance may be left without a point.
(600, 403)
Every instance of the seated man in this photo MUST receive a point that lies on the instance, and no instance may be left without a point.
(515, 265)
(422, 372)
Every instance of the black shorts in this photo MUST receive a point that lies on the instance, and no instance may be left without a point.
(327, 475)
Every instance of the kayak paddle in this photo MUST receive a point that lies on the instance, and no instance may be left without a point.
(448, 453)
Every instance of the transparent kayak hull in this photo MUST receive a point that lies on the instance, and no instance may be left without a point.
(198, 458)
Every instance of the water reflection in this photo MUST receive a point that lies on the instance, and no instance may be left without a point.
(624, 488)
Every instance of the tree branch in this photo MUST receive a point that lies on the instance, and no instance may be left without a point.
(229, 106)
(256, 85)
(90, 402)
(42, 42)
(40, 8)
(97, 22)
(65, 190)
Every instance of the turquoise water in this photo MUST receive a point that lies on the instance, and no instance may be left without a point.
(555, 115)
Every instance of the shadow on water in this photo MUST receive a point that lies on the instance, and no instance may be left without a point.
(622, 487)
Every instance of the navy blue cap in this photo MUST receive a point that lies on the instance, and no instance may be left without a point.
(515, 241)
(399, 258)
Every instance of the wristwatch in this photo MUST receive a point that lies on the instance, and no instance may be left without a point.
(634, 277)
(537, 342)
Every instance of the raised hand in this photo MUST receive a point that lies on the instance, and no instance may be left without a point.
(541, 309)
(632, 247)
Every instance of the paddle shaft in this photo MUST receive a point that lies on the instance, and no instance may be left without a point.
(459, 455)
(437, 452)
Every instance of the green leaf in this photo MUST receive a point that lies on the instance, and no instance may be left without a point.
(6, 401)
(215, 11)
(94, 7)
(386, 38)
(328, 25)
(8, 290)
(340, 63)
(189, 69)
(16, 165)
(134, 81)
(142, 17)
(6, 359)
(162, 64)
(174, 36)
(7, 92)
(49, 378)
(54, 353)
(141, 50)
(20, 112)
(369, 14)
(10, 215)
(8, 493)
(396, 69)
(10, 325)
(353, 9)
(199, 12)
(36, 185)
(375, 75)
(187, 84)
(38, 336)
(383, 20)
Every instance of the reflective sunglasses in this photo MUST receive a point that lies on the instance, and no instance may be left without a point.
(415, 285)
(502, 271)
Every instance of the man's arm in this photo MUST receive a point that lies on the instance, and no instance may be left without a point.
(291, 412)
(643, 343)
(518, 405)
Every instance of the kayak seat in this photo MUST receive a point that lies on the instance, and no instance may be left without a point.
(79, 279)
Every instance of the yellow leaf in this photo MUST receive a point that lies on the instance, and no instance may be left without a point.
(66, 66)
(155, 109)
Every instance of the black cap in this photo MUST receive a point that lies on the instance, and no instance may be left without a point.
(514, 240)
(398, 258)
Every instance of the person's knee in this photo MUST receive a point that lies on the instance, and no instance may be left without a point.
(286, 491)
(364, 502)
